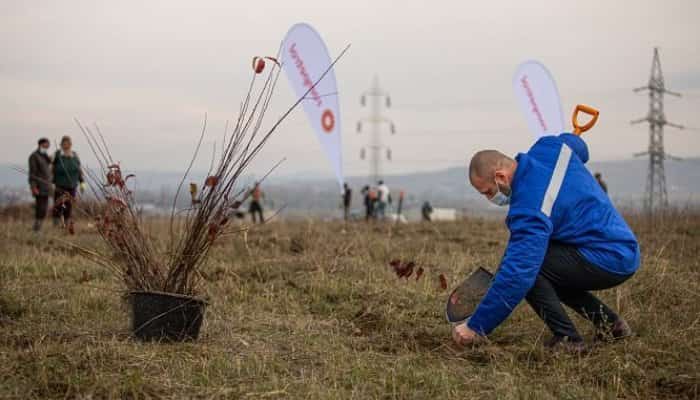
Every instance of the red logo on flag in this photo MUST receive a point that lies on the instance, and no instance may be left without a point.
(328, 121)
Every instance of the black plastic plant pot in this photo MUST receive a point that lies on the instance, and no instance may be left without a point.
(466, 297)
(157, 316)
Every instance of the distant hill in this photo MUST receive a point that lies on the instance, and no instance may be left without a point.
(449, 188)
(443, 188)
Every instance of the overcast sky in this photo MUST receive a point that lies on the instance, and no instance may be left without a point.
(147, 72)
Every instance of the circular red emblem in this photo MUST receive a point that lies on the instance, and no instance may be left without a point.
(328, 121)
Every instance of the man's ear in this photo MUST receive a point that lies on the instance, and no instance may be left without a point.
(501, 176)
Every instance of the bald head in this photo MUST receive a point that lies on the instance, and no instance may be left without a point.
(485, 162)
(489, 170)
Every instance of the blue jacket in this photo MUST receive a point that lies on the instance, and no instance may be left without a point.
(554, 197)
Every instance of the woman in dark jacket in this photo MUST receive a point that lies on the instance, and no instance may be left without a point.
(40, 181)
(67, 176)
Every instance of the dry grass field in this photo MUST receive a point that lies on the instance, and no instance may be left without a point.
(312, 310)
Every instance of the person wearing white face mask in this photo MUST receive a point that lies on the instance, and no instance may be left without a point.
(566, 239)
(40, 181)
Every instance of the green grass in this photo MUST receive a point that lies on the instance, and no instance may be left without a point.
(311, 310)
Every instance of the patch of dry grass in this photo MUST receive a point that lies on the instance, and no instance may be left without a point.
(311, 310)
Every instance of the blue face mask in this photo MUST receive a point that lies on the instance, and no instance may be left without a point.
(500, 199)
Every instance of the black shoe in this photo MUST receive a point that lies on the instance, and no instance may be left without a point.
(618, 330)
(565, 344)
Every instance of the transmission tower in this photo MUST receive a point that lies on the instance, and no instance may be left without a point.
(656, 196)
(378, 99)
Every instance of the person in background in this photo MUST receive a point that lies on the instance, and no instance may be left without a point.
(426, 211)
(40, 181)
(347, 199)
(369, 196)
(601, 182)
(373, 199)
(67, 177)
(256, 198)
(383, 199)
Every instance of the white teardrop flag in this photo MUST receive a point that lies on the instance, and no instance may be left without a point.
(305, 58)
(539, 100)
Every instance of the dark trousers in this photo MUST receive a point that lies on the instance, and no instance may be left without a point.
(256, 208)
(566, 277)
(369, 209)
(41, 206)
(63, 203)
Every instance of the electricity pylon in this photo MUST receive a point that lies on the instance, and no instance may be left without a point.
(656, 196)
(378, 99)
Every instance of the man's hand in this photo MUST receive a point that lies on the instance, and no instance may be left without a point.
(35, 190)
(464, 336)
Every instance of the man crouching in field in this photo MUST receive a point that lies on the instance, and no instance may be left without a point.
(566, 239)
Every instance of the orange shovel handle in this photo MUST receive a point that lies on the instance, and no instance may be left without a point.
(578, 129)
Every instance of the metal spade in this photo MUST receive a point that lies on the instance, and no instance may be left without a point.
(466, 297)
